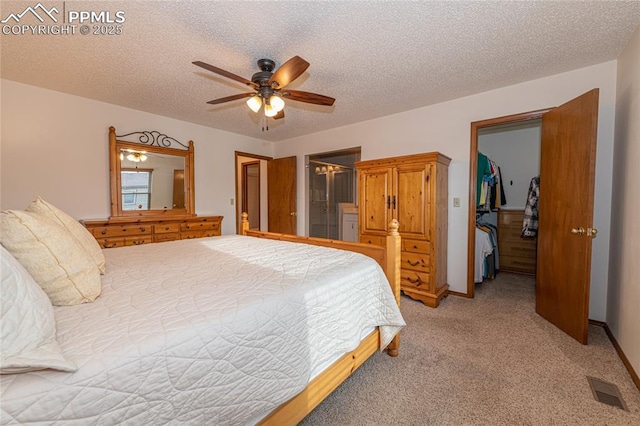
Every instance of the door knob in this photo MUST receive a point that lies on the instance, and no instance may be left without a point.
(592, 232)
(578, 231)
(292, 214)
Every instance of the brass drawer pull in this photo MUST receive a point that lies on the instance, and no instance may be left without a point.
(104, 232)
(107, 245)
(138, 242)
(417, 281)
(413, 264)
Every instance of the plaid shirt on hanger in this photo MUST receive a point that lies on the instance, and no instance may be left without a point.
(530, 220)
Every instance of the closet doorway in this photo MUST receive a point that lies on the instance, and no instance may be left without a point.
(565, 231)
(508, 161)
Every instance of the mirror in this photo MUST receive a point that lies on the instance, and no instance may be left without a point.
(150, 177)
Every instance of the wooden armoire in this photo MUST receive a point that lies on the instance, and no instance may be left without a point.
(412, 189)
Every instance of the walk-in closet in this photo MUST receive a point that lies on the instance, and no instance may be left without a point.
(506, 199)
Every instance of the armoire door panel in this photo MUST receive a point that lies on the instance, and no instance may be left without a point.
(410, 203)
(375, 204)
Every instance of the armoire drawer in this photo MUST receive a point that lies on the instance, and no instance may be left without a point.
(415, 261)
(416, 246)
(415, 279)
(373, 239)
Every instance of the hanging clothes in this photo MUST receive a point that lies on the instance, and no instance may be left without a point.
(484, 169)
(530, 219)
(483, 249)
(490, 194)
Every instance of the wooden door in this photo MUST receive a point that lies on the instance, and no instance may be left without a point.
(567, 170)
(410, 199)
(281, 184)
(375, 186)
(178, 189)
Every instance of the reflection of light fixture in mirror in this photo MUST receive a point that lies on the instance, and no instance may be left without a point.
(255, 103)
(137, 157)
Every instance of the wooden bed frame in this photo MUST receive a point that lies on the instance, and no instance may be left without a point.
(297, 408)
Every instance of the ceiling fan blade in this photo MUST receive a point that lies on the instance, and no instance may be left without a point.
(231, 98)
(288, 72)
(279, 115)
(310, 98)
(224, 73)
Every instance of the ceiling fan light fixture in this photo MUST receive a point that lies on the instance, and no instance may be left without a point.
(254, 103)
(136, 157)
(269, 111)
(276, 103)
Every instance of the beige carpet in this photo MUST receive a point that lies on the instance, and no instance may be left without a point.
(485, 361)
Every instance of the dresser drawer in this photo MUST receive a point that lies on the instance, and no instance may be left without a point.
(189, 235)
(520, 264)
(518, 248)
(158, 238)
(415, 261)
(165, 228)
(106, 243)
(138, 240)
(121, 231)
(373, 239)
(192, 226)
(510, 218)
(409, 278)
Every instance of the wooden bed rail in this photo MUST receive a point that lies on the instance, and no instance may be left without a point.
(293, 411)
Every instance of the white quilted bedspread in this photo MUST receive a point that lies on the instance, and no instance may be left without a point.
(206, 331)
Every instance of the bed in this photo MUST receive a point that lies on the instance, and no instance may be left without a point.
(225, 330)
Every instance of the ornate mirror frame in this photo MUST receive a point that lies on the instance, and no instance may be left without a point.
(149, 141)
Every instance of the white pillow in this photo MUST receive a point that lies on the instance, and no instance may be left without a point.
(79, 232)
(54, 259)
(27, 324)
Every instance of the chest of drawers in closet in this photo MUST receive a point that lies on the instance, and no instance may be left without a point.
(517, 254)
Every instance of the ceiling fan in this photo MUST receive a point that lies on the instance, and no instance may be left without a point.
(269, 87)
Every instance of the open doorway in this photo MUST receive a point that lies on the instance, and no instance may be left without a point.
(332, 194)
(511, 144)
(565, 210)
(508, 165)
(251, 190)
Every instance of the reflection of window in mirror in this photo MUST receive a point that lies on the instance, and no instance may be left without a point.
(136, 189)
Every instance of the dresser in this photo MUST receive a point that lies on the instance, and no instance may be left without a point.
(414, 190)
(517, 254)
(122, 232)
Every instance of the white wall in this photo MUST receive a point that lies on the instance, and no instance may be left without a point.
(56, 145)
(517, 153)
(445, 127)
(623, 313)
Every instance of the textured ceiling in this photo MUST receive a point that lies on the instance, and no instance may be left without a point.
(375, 58)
